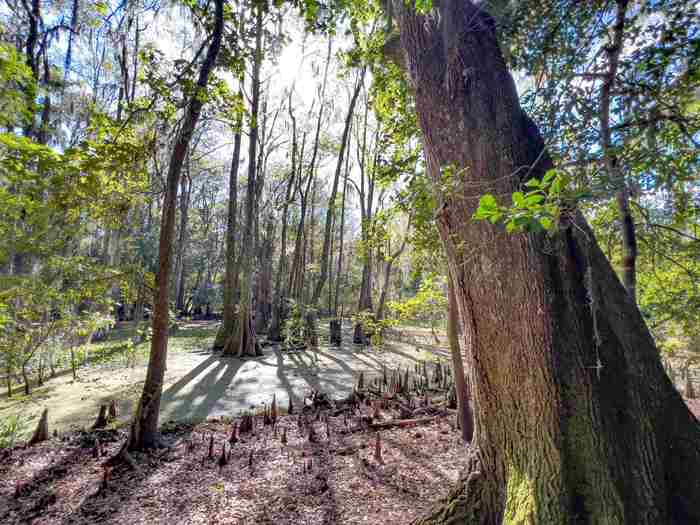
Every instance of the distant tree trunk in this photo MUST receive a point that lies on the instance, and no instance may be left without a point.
(622, 196)
(180, 274)
(69, 48)
(379, 315)
(9, 371)
(575, 419)
(279, 299)
(264, 285)
(338, 273)
(294, 287)
(243, 340)
(230, 263)
(330, 209)
(311, 238)
(300, 257)
(366, 204)
(464, 411)
(144, 428)
(25, 378)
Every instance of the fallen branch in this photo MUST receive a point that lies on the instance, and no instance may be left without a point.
(403, 423)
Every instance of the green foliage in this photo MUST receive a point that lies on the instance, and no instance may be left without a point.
(10, 429)
(538, 208)
(17, 88)
(373, 327)
(47, 197)
(294, 325)
(429, 305)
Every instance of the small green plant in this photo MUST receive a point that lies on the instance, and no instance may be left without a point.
(293, 326)
(10, 429)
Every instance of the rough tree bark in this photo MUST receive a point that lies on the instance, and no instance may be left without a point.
(144, 428)
(575, 418)
(230, 266)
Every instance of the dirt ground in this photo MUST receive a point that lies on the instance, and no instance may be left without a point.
(336, 480)
(200, 384)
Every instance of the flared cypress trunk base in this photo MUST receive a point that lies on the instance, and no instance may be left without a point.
(243, 341)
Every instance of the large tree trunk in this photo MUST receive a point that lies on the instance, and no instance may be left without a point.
(575, 418)
(230, 264)
(243, 340)
(144, 428)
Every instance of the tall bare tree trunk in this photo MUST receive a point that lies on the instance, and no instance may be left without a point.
(330, 210)
(230, 265)
(338, 273)
(575, 418)
(622, 196)
(366, 195)
(294, 287)
(180, 273)
(144, 428)
(279, 299)
(302, 243)
(243, 340)
(264, 283)
(389, 264)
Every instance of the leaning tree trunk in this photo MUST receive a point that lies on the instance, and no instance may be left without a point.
(464, 410)
(144, 428)
(575, 418)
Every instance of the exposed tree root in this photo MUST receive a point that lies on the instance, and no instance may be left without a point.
(471, 501)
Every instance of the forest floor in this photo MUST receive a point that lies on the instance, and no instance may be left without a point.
(200, 384)
(332, 481)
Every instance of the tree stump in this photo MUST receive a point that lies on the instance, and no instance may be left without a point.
(101, 421)
(113, 411)
(42, 429)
